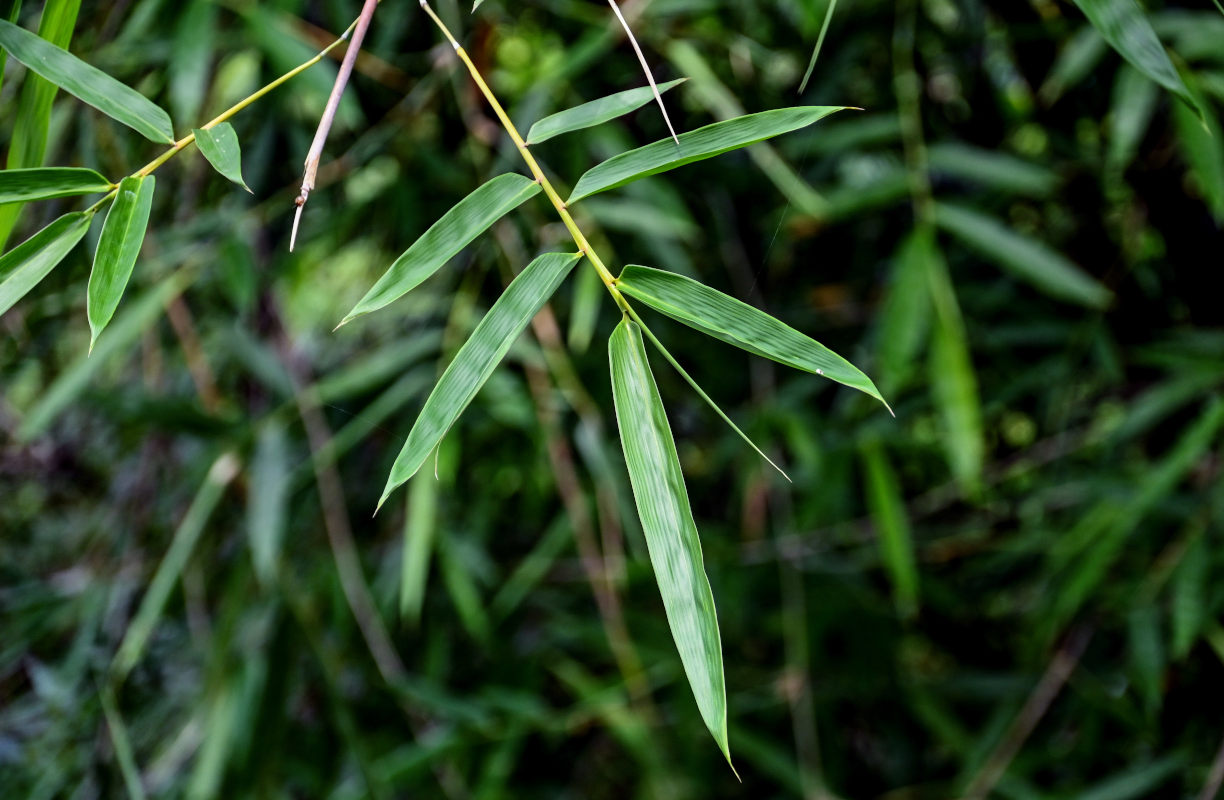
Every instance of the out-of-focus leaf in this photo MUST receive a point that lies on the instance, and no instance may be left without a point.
(420, 526)
(14, 13)
(667, 520)
(219, 144)
(904, 321)
(887, 507)
(1136, 782)
(268, 500)
(703, 143)
(123, 234)
(477, 359)
(43, 183)
(1202, 142)
(993, 169)
(1130, 113)
(87, 83)
(171, 567)
(33, 117)
(723, 317)
(1075, 61)
(1026, 258)
(595, 112)
(29, 262)
(458, 227)
(953, 380)
(1147, 657)
(1190, 599)
(464, 592)
(68, 387)
(1128, 31)
(190, 69)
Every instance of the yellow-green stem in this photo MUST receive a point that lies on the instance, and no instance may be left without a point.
(579, 239)
(178, 146)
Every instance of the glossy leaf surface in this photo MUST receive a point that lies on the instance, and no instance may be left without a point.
(122, 236)
(219, 144)
(43, 183)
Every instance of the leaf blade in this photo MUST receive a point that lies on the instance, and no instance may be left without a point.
(119, 245)
(25, 265)
(594, 112)
(1123, 25)
(219, 145)
(698, 145)
(87, 83)
(667, 521)
(737, 323)
(456, 229)
(45, 183)
(477, 359)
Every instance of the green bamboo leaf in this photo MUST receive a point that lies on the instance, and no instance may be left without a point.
(29, 262)
(1026, 258)
(596, 112)
(87, 83)
(14, 13)
(477, 359)
(885, 500)
(122, 236)
(268, 500)
(23, 185)
(219, 144)
(1202, 144)
(458, 227)
(1128, 31)
(667, 521)
(723, 317)
(698, 145)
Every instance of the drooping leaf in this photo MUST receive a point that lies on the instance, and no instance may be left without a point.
(667, 521)
(1128, 31)
(32, 119)
(219, 144)
(458, 227)
(735, 322)
(1026, 258)
(23, 185)
(703, 143)
(887, 506)
(268, 500)
(122, 236)
(596, 112)
(29, 262)
(903, 323)
(87, 83)
(477, 359)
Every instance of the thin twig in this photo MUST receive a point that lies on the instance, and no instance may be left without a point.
(329, 114)
(645, 68)
(1035, 707)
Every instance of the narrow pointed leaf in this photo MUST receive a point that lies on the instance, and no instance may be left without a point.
(1026, 258)
(698, 145)
(219, 144)
(719, 315)
(29, 262)
(896, 542)
(87, 83)
(122, 235)
(1128, 31)
(667, 521)
(23, 185)
(477, 359)
(596, 112)
(458, 227)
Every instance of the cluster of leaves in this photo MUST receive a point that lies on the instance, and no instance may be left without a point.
(908, 597)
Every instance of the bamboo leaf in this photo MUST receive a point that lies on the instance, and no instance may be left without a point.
(723, 317)
(667, 521)
(887, 506)
(268, 500)
(1202, 144)
(477, 359)
(596, 112)
(458, 227)
(87, 83)
(29, 262)
(1128, 31)
(219, 144)
(1026, 258)
(23, 185)
(698, 145)
(122, 236)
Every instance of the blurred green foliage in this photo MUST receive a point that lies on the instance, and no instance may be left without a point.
(1012, 589)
